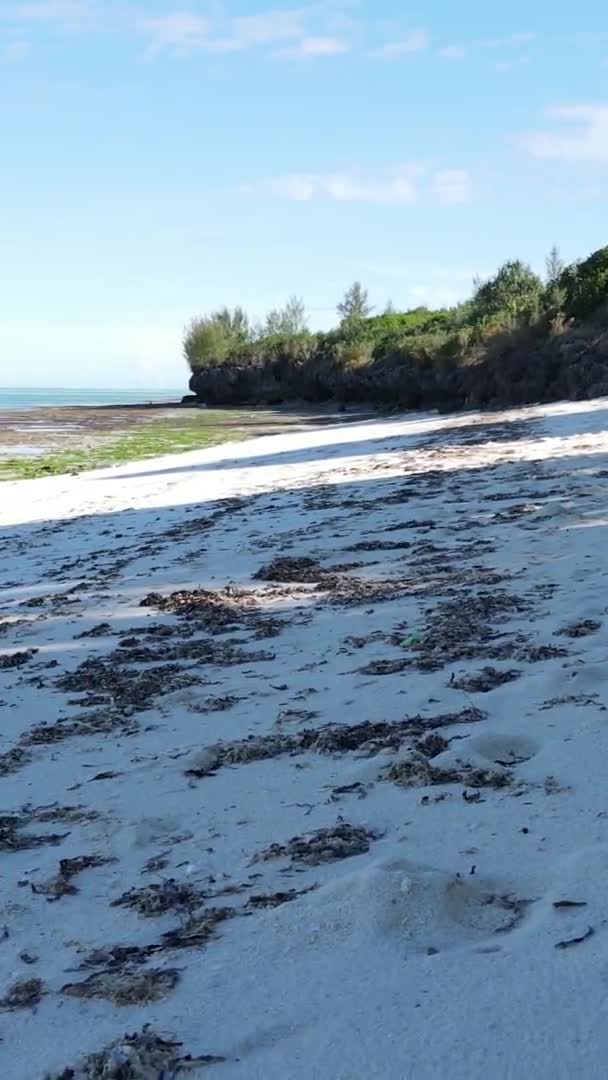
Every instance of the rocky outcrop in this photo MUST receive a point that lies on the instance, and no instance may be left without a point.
(534, 366)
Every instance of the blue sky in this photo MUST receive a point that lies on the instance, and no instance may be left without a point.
(163, 158)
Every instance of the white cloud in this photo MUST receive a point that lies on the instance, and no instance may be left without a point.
(302, 32)
(405, 184)
(452, 187)
(298, 186)
(510, 39)
(17, 50)
(581, 134)
(414, 42)
(178, 32)
(347, 187)
(453, 52)
(311, 47)
(269, 28)
(55, 10)
(505, 66)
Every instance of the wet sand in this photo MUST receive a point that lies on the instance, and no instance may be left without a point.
(32, 432)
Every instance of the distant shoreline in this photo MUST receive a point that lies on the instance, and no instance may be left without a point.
(19, 398)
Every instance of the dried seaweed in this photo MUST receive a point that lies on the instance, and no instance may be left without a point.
(367, 737)
(125, 688)
(157, 899)
(482, 682)
(12, 839)
(142, 1056)
(418, 772)
(23, 994)
(16, 659)
(581, 628)
(13, 760)
(343, 841)
(126, 986)
(62, 884)
(198, 930)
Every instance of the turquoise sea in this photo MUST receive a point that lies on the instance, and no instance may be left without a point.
(36, 397)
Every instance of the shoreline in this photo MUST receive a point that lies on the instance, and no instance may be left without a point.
(50, 440)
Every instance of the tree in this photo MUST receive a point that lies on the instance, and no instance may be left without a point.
(211, 339)
(389, 308)
(287, 321)
(236, 323)
(554, 266)
(555, 294)
(355, 304)
(515, 290)
(586, 284)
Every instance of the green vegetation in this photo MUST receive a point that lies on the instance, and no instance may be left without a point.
(518, 338)
(152, 439)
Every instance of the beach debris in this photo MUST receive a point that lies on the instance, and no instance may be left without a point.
(385, 667)
(217, 704)
(157, 899)
(418, 771)
(581, 700)
(343, 841)
(431, 745)
(298, 716)
(357, 788)
(141, 1056)
(274, 900)
(465, 629)
(126, 986)
(202, 650)
(125, 689)
(536, 654)
(475, 797)
(13, 760)
(570, 942)
(23, 994)
(292, 568)
(564, 905)
(367, 738)
(12, 839)
(16, 659)
(198, 930)
(103, 629)
(62, 884)
(481, 682)
(581, 628)
(219, 611)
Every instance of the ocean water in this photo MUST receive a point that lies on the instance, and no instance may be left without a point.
(35, 397)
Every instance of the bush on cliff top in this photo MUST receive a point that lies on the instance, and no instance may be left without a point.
(516, 339)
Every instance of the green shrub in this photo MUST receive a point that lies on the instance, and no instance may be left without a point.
(206, 343)
(354, 354)
(515, 290)
(585, 284)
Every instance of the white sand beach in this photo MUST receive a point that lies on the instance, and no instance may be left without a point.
(332, 804)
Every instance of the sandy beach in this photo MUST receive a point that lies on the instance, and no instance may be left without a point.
(303, 756)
